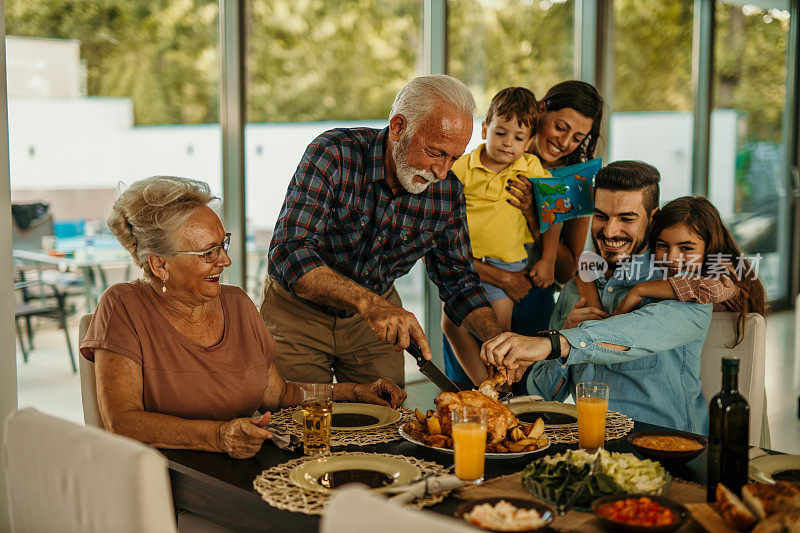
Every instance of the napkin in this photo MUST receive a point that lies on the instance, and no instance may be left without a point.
(531, 398)
(430, 485)
(354, 509)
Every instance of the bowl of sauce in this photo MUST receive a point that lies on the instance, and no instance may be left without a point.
(668, 445)
(640, 513)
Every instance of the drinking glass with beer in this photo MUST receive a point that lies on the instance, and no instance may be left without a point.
(592, 402)
(469, 442)
(317, 409)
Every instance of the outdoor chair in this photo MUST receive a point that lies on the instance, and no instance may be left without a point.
(37, 298)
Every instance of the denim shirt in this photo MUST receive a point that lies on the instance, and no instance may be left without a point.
(658, 379)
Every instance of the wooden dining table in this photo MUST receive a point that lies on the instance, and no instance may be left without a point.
(220, 488)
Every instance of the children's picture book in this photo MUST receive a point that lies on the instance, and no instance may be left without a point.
(567, 194)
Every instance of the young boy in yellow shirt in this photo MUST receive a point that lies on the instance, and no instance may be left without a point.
(498, 230)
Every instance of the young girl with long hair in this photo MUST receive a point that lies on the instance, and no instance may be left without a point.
(702, 260)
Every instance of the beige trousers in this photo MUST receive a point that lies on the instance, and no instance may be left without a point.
(314, 346)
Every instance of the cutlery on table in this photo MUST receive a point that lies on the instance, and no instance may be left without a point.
(284, 441)
(431, 371)
(429, 484)
(562, 509)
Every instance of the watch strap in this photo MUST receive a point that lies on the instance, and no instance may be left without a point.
(555, 342)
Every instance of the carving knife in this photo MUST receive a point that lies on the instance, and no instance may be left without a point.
(431, 370)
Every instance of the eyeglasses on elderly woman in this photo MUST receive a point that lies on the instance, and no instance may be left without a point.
(212, 254)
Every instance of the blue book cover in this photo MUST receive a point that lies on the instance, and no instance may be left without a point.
(567, 194)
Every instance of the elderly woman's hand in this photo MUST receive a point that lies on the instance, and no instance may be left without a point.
(382, 392)
(241, 438)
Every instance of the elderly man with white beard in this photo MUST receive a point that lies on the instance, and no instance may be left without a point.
(363, 206)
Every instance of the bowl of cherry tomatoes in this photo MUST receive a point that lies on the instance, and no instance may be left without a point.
(639, 513)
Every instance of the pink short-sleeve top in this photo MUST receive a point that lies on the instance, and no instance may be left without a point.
(181, 377)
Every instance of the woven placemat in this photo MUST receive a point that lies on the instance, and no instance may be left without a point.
(617, 426)
(284, 419)
(276, 488)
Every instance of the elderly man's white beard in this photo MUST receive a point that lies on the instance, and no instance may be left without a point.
(405, 172)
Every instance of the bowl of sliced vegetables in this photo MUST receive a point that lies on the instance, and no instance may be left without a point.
(555, 478)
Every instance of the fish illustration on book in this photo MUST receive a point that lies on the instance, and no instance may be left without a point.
(566, 194)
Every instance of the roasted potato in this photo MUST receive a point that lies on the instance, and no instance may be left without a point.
(438, 441)
(430, 413)
(536, 430)
(515, 447)
(500, 448)
(420, 416)
(434, 426)
(517, 434)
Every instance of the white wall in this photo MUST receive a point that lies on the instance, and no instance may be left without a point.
(89, 143)
(47, 68)
(8, 361)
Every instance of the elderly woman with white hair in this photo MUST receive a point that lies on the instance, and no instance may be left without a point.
(181, 360)
(362, 207)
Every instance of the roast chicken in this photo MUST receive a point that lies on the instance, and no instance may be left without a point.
(498, 417)
(497, 376)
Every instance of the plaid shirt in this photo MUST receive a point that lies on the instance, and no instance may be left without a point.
(340, 212)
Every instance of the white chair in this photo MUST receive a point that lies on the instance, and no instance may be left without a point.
(63, 478)
(751, 352)
(356, 510)
(91, 411)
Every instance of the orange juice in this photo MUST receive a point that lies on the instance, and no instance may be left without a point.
(469, 444)
(591, 422)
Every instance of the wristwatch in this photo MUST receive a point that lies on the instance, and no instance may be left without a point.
(555, 342)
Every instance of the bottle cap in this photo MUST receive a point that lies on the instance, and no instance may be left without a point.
(730, 364)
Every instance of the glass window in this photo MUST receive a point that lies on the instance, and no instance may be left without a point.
(493, 45)
(748, 174)
(652, 106)
(98, 93)
(107, 93)
(313, 66)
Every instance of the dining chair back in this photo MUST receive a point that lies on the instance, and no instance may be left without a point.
(91, 410)
(356, 510)
(69, 478)
(751, 352)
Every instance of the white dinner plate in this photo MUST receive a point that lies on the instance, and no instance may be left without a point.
(765, 467)
(489, 455)
(382, 415)
(307, 475)
(523, 405)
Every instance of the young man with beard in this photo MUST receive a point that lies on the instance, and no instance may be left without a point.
(363, 206)
(650, 357)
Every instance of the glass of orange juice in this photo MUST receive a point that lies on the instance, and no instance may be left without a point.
(592, 402)
(469, 442)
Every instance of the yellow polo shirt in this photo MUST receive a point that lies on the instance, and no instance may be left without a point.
(497, 229)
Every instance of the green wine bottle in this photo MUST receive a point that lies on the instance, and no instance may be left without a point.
(728, 433)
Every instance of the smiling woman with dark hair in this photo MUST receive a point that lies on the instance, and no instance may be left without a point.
(181, 360)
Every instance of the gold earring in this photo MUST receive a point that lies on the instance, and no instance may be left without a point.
(164, 286)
